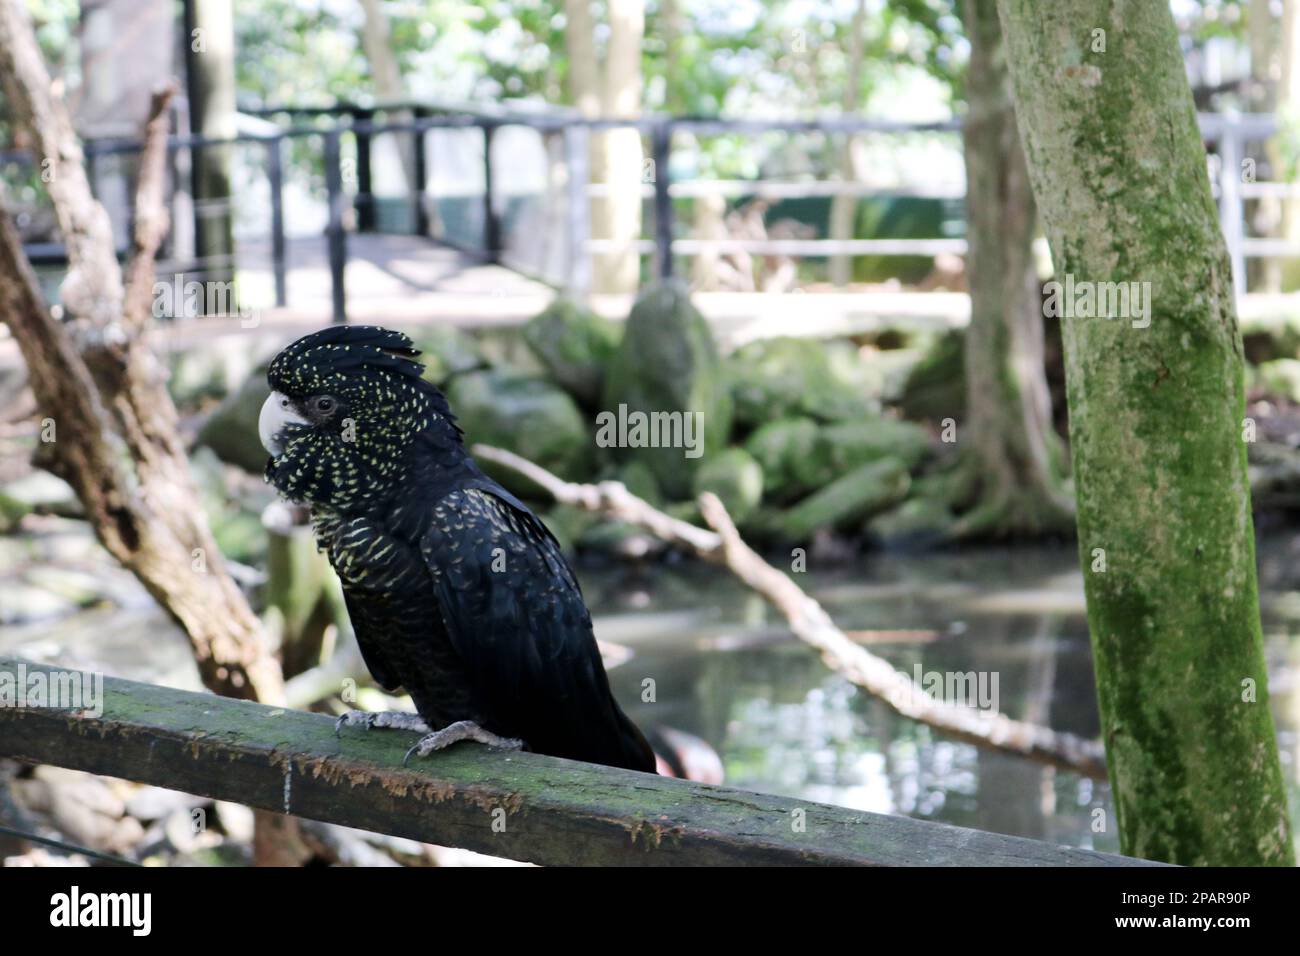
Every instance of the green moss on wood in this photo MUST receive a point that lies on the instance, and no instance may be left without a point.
(520, 805)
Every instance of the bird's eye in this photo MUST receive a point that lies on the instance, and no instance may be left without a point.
(323, 404)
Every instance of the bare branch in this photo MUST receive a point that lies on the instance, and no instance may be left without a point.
(96, 380)
(93, 289)
(151, 218)
(609, 498)
(812, 625)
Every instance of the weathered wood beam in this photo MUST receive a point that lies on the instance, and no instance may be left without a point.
(523, 806)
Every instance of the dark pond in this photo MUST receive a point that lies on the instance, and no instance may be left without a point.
(725, 669)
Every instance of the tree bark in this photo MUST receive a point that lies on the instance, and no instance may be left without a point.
(1165, 530)
(1013, 457)
(104, 391)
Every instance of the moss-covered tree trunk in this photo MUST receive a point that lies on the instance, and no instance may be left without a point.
(1156, 411)
(1012, 456)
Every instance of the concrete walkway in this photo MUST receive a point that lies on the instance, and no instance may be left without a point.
(404, 279)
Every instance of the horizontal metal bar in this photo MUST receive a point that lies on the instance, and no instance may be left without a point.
(772, 189)
(795, 247)
(1269, 248)
(1212, 125)
(1261, 190)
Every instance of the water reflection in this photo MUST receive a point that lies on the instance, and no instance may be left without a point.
(725, 669)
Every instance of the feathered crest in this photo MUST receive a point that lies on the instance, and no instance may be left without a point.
(346, 348)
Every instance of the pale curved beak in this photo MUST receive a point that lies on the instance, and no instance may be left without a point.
(277, 412)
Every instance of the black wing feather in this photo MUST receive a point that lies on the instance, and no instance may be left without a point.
(513, 611)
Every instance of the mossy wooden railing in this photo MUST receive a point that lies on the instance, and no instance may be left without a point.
(518, 805)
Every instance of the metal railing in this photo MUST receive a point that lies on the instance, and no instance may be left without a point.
(1230, 132)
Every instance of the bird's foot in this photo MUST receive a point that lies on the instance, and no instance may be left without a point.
(460, 730)
(391, 719)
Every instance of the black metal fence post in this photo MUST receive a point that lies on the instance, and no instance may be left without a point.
(365, 200)
(335, 234)
(275, 178)
(491, 221)
(661, 137)
(90, 150)
(421, 171)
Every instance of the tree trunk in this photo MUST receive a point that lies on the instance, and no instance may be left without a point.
(1156, 408)
(386, 77)
(580, 47)
(1012, 456)
(616, 155)
(211, 71)
(619, 164)
(844, 207)
(1287, 107)
(672, 26)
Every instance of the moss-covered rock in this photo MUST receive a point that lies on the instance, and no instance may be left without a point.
(234, 516)
(22, 603)
(848, 500)
(846, 445)
(1270, 336)
(231, 430)
(620, 539)
(736, 478)
(1280, 377)
(668, 364)
(637, 477)
(784, 449)
(799, 456)
(219, 366)
(39, 492)
(526, 415)
(568, 524)
(447, 352)
(936, 387)
(917, 522)
(575, 346)
(785, 377)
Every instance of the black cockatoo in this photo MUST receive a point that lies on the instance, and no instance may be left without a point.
(456, 591)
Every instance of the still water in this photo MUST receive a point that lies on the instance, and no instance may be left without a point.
(725, 669)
